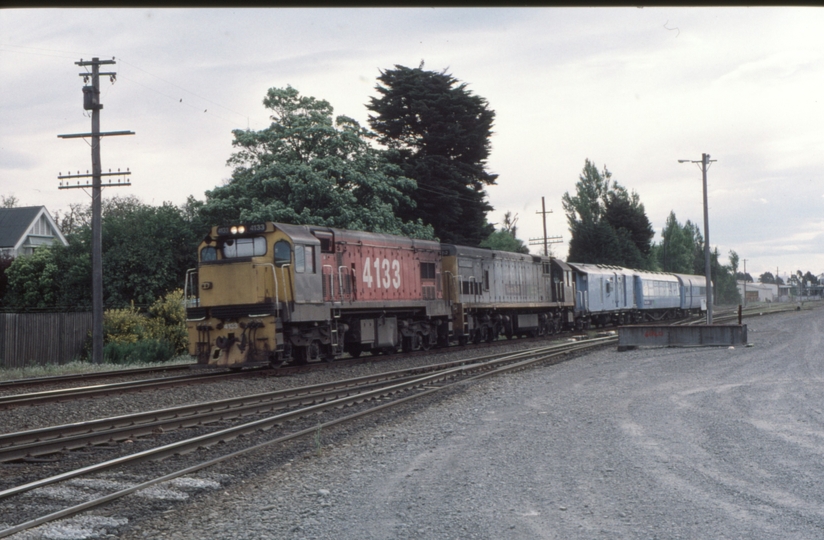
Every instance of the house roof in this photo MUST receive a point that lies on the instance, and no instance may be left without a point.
(15, 224)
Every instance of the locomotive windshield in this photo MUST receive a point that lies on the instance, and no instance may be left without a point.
(244, 247)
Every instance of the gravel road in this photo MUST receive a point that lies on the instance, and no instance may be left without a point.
(656, 443)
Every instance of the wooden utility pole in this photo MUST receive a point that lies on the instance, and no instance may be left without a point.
(91, 102)
(705, 164)
(546, 240)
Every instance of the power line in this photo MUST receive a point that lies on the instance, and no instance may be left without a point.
(185, 90)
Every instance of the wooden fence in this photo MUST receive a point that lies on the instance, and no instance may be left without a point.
(28, 339)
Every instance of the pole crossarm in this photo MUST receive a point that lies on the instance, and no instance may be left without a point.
(101, 134)
(93, 62)
(118, 173)
(549, 240)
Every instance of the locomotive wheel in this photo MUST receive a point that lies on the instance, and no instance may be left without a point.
(355, 350)
(491, 334)
(424, 341)
(300, 355)
(408, 344)
(463, 340)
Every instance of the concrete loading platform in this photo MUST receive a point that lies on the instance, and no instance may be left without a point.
(716, 335)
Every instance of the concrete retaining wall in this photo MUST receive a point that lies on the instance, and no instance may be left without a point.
(716, 335)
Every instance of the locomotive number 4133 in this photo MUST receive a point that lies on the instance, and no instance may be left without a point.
(382, 276)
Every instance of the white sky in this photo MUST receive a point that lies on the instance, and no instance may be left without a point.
(632, 89)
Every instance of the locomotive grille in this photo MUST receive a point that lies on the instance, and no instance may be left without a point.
(242, 310)
(196, 313)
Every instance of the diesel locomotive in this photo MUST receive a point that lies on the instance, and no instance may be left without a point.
(273, 293)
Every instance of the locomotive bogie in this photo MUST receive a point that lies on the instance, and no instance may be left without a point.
(235, 342)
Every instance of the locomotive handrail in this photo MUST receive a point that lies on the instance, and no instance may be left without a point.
(275, 277)
(340, 280)
(323, 277)
(186, 287)
(450, 278)
(287, 265)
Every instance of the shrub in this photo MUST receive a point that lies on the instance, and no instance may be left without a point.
(130, 336)
(146, 350)
(168, 320)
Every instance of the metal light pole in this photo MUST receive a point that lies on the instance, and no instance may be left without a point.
(705, 161)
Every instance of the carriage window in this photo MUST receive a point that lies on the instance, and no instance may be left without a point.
(209, 253)
(283, 253)
(244, 247)
(486, 280)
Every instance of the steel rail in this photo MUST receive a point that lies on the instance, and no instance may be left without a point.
(103, 389)
(227, 434)
(335, 403)
(27, 444)
(42, 441)
(57, 379)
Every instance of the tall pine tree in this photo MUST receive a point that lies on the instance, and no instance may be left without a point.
(607, 224)
(439, 132)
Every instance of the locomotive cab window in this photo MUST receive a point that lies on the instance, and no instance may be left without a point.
(327, 241)
(304, 259)
(244, 247)
(427, 270)
(283, 253)
(209, 253)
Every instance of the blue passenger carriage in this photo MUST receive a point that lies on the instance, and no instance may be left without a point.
(605, 294)
(693, 293)
(658, 295)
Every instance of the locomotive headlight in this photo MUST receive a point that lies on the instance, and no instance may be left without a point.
(241, 229)
(233, 230)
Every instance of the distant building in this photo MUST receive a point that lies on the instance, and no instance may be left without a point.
(759, 292)
(24, 229)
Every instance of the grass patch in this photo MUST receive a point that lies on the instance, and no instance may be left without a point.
(77, 366)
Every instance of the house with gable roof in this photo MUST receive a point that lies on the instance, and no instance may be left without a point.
(24, 229)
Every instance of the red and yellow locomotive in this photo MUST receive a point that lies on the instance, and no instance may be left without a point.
(274, 293)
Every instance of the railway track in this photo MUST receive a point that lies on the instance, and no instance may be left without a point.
(346, 401)
(61, 379)
(65, 394)
(35, 398)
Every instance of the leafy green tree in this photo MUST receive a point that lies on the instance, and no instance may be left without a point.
(34, 280)
(766, 277)
(725, 289)
(146, 252)
(741, 276)
(677, 249)
(607, 224)
(304, 169)
(734, 260)
(5, 263)
(439, 132)
(505, 238)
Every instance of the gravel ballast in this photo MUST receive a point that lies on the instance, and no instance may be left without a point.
(656, 443)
